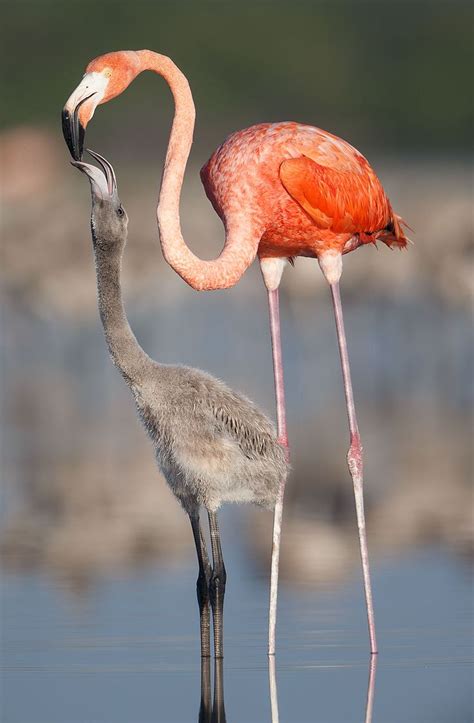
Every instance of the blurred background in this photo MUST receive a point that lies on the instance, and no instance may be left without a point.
(82, 499)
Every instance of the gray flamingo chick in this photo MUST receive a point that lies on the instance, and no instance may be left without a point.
(212, 444)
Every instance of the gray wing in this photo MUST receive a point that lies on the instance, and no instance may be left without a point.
(242, 422)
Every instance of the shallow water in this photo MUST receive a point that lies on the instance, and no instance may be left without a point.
(128, 650)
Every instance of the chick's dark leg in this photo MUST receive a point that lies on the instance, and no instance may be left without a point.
(202, 586)
(217, 584)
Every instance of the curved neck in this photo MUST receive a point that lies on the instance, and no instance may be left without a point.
(240, 248)
(126, 352)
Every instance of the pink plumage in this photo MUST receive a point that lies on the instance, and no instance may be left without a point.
(302, 190)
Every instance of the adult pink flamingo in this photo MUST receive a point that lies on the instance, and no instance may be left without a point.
(282, 190)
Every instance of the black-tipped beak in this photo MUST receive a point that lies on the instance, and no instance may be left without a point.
(73, 134)
(73, 131)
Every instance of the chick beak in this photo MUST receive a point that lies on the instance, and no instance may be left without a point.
(103, 180)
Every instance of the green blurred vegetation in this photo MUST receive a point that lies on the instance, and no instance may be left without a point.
(392, 74)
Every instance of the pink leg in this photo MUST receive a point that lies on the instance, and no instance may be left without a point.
(273, 303)
(369, 709)
(354, 459)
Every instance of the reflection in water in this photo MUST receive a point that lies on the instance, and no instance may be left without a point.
(217, 713)
(273, 689)
(274, 692)
(371, 689)
(218, 710)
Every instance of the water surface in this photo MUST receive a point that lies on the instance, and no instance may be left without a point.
(127, 651)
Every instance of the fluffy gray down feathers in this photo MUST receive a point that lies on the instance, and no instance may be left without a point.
(212, 444)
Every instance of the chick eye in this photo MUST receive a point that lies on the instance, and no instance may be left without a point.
(120, 211)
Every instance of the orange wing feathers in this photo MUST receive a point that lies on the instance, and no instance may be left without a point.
(343, 201)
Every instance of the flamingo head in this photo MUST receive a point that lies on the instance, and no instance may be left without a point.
(106, 77)
(108, 219)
